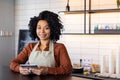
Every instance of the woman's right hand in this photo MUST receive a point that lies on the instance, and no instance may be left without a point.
(24, 71)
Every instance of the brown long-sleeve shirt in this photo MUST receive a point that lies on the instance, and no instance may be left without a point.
(62, 60)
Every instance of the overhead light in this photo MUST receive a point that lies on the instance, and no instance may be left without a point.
(67, 7)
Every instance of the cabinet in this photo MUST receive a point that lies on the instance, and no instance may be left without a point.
(89, 14)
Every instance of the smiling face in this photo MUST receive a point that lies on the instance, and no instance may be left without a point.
(43, 30)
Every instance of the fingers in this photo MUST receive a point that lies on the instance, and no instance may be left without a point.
(40, 70)
(37, 71)
(24, 71)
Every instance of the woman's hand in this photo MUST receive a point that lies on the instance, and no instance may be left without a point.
(40, 70)
(24, 71)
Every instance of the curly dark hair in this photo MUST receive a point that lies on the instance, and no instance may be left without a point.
(53, 21)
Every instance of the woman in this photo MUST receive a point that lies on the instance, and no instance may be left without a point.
(50, 57)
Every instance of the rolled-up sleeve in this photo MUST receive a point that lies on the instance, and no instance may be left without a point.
(21, 58)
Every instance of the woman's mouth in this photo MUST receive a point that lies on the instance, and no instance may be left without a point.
(43, 35)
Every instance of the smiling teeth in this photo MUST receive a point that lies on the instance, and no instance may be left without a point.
(42, 35)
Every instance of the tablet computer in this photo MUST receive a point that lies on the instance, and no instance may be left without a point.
(28, 66)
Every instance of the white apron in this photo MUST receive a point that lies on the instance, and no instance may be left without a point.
(42, 58)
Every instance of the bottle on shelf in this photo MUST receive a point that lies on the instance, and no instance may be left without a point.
(67, 7)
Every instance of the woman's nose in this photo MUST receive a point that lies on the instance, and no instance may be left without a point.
(42, 30)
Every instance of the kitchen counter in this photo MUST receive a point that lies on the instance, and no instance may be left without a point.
(92, 76)
(7, 74)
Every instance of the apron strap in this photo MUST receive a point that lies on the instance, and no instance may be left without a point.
(34, 49)
(51, 45)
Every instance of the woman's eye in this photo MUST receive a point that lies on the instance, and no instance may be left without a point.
(47, 28)
(38, 27)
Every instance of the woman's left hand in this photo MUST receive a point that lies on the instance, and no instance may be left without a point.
(40, 70)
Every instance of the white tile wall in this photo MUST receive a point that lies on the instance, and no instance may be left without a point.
(73, 23)
(103, 4)
(78, 46)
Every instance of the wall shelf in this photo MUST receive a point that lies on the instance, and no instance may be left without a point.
(73, 33)
(103, 10)
(89, 12)
(110, 31)
(90, 34)
(72, 12)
